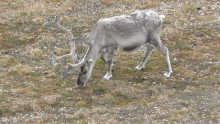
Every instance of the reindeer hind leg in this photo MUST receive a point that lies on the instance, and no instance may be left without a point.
(144, 61)
(165, 52)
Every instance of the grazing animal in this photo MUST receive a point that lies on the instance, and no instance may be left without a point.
(125, 33)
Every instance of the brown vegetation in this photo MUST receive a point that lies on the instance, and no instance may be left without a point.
(32, 91)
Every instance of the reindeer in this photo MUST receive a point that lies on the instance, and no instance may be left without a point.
(125, 33)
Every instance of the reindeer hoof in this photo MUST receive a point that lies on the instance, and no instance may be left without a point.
(167, 74)
(138, 68)
(106, 77)
(53, 58)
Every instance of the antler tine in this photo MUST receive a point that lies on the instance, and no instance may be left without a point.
(83, 39)
(48, 19)
(56, 18)
(47, 23)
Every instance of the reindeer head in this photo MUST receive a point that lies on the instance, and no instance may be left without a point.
(84, 74)
(83, 68)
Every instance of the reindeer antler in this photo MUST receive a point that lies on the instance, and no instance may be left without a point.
(56, 25)
(83, 39)
(48, 19)
(48, 23)
(56, 18)
(74, 67)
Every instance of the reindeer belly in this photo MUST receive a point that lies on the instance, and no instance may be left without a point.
(130, 48)
(131, 43)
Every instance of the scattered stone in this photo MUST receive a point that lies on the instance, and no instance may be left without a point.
(200, 34)
(46, 72)
(199, 8)
(175, 60)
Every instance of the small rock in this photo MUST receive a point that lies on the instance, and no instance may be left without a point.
(200, 34)
(120, 100)
(46, 72)
(199, 8)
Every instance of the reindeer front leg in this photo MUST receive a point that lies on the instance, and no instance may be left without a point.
(107, 57)
(144, 61)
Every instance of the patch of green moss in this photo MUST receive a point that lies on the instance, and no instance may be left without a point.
(185, 104)
(101, 89)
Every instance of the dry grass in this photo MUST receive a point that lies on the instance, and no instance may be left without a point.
(7, 61)
(32, 91)
(20, 70)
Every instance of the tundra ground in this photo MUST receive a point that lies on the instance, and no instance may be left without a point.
(32, 90)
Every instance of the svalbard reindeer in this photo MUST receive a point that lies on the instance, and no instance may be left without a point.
(126, 33)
